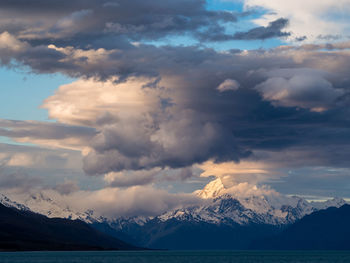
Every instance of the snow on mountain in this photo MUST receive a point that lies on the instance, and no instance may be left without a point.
(244, 204)
(9, 203)
(120, 223)
(223, 209)
(45, 205)
(42, 204)
(212, 190)
(236, 204)
(336, 202)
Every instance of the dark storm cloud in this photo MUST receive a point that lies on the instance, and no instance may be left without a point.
(218, 33)
(277, 99)
(274, 29)
(300, 39)
(201, 122)
(98, 23)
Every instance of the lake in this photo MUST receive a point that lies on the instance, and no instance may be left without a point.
(178, 257)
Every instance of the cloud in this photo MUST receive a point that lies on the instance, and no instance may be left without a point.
(19, 181)
(228, 84)
(10, 46)
(249, 171)
(107, 23)
(135, 131)
(240, 191)
(66, 23)
(128, 126)
(115, 202)
(46, 133)
(120, 64)
(138, 107)
(241, 180)
(306, 18)
(30, 168)
(148, 177)
(10, 43)
(41, 160)
(179, 142)
(133, 201)
(131, 178)
(272, 30)
(102, 102)
(67, 187)
(310, 91)
(143, 115)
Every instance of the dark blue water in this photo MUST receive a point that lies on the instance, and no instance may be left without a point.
(178, 257)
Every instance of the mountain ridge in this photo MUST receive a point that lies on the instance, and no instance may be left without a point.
(27, 231)
(219, 204)
(222, 211)
(324, 229)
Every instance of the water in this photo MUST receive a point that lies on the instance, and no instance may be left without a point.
(178, 257)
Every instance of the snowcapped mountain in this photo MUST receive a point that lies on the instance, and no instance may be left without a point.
(225, 206)
(9, 203)
(335, 202)
(233, 215)
(42, 204)
(213, 189)
(221, 205)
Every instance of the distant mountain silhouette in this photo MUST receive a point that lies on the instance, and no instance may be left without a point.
(24, 230)
(190, 235)
(322, 230)
(223, 223)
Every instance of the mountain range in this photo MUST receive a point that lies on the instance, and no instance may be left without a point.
(322, 230)
(22, 230)
(224, 220)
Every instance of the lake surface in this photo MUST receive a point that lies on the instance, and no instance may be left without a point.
(178, 257)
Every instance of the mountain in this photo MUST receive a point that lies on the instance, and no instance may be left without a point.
(25, 230)
(42, 204)
(224, 206)
(220, 205)
(5, 201)
(322, 230)
(224, 223)
(194, 235)
(234, 217)
(225, 220)
(335, 202)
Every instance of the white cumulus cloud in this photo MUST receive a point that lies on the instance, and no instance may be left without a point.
(317, 20)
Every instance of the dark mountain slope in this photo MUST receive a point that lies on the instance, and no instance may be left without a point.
(108, 230)
(184, 235)
(325, 229)
(23, 230)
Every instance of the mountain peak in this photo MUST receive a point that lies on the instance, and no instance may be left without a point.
(212, 190)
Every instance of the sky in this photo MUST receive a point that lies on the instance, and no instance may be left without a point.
(131, 106)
